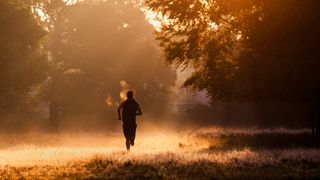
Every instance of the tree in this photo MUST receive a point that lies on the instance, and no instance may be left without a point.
(107, 42)
(53, 11)
(93, 46)
(281, 60)
(22, 60)
(204, 35)
(254, 51)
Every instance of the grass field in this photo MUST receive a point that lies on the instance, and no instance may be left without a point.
(206, 153)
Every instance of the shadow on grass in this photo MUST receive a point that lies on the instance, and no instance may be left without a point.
(261, 141)
(202, 169)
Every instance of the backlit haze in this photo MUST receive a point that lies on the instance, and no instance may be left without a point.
(228, 89)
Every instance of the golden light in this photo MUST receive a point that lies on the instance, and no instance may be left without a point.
(41, 14)
(66, 148)
(109, 100)
(156, 19)
(125, 25)
(153, 18)
(214, 26)
(153, 145)
(124, 88)
(71, 2)
(238, 35)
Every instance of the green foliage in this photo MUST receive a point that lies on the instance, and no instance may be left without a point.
(22, 62)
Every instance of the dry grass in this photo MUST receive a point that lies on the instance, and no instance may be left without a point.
(209, 153)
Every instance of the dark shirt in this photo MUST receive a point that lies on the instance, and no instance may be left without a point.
(129, 110)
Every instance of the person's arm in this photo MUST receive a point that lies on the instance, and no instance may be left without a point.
(139, 112)
(119, 110)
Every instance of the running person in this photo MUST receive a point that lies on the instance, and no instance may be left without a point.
(130, 109)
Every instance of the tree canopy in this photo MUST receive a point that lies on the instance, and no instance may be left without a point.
(22, 60)
(96, 45)
(244, 50)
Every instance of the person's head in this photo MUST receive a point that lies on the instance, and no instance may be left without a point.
(130, 94)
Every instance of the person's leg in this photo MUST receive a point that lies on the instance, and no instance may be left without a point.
(133, 133)
(126, 132)
(128, 144)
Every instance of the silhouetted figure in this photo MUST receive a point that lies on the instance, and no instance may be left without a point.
(130, 109)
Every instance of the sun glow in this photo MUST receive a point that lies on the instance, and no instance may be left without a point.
(153, 18)
(153, 145)
(67, 148)
(156, 19)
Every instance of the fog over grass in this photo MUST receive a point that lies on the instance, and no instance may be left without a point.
(159, 153)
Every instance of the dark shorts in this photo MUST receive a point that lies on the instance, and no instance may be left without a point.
(129, 130)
